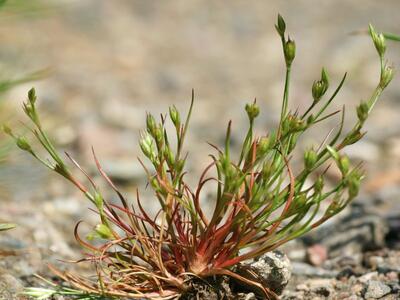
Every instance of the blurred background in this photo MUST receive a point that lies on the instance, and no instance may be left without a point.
(111, 62)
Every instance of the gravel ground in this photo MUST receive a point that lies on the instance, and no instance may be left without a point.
(111, 61)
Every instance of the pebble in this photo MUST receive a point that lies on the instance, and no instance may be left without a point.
(305, 269)
(273, 270)
(9, 286)
(376, 290)
(317, 254)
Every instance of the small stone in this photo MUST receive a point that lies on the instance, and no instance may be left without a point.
(357, 288)
(322, 287)
(124, 170)
(317, 254)
(302, 287)
(368, 277)
(303, 269)
(273, 270)
(346, 273)
(9, 286)
(393, 276)
(376, 290)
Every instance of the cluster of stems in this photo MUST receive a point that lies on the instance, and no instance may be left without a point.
(260, 202)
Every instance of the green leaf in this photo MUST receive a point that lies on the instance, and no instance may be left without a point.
(7, 226)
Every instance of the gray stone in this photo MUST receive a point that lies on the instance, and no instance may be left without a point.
(304, 269)
(376, 290)
(272, 270)
(125, 170)
(351, 234)
(9, 287)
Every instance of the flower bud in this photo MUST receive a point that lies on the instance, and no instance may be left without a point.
(362, 111)
(175, 116)
(320, 87)
(310, 158)
(151, 124)
(353, 137)
(319, 184)
(267, 170)
(387, 76)
(293, 124)
(179, 165)
(159, 136)
(7, 130)
(334, 207)
(23, 144)
(252, 110)
(99, 201)
(289, 51)
(169, 156)
(147, 145)
(280, 26)
(103, 231)
(32, 95)
(310, 119)
(344, 164)
(263, 145)
(353, 183)
(379, 41)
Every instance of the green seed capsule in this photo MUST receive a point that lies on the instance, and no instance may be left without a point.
(289, 51)
(310, 158)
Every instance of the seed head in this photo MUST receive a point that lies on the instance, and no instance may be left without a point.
(289, 51)
(175, 116)
(252, 110)
(379, 41)
(387, 76)
(362, 111)
(280, 26)
(23, 144)
(320, 87)
(310, 158)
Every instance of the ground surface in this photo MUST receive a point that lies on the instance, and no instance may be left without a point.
(112, 61)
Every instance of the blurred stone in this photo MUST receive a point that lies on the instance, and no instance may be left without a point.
(128, 170)
(322, 287)
(376, 290)
(304, 269)
(295, 250)
(272, 269)
(10, 287)
(317, 254)
(351, 234)
(368, 277)
(364, 150)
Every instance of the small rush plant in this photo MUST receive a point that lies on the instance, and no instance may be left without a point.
(260, 202)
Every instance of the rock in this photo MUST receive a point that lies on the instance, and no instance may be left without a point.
(376, 290)
(384, 261)
(272, 270)
(317, 254)
(351, 234)
(321, 287)
(304, 269)
(295, 250)
(368, 277)
(9, 286)
(364, 150)
(126, 170)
